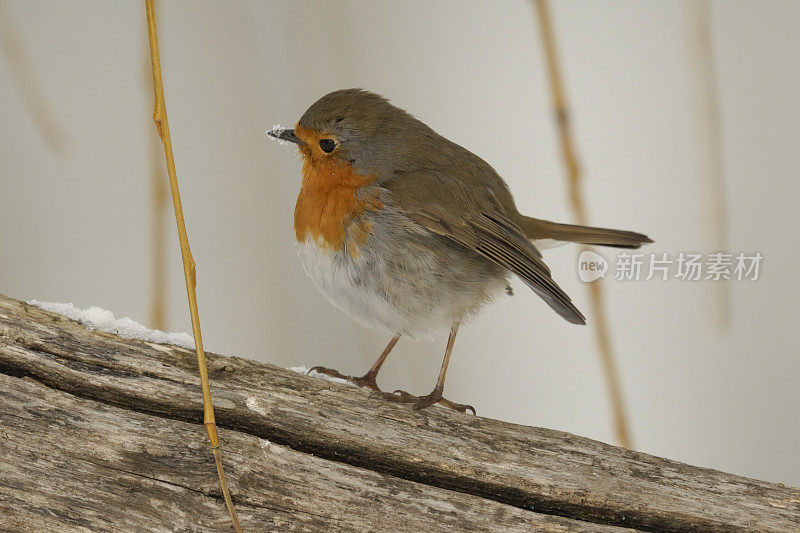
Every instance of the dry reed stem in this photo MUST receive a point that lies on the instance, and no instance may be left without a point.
(708, 136)
(30, 91)
(158, 220)
(162, 125)
(600, 326)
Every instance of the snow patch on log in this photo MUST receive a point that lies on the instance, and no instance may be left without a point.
(97, 318)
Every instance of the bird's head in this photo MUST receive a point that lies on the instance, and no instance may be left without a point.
(358, 128)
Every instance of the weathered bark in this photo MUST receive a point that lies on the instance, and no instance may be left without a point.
(99, 433)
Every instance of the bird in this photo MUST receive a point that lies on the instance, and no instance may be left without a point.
(412, 234)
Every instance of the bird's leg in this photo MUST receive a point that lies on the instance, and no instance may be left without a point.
(421, 402)
(368, 379)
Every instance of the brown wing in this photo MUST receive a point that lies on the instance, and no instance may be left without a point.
(497, 238)
(470, 204)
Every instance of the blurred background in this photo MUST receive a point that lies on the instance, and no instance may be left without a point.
(700, 156)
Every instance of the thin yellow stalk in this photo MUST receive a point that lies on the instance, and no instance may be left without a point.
(600, 325)
(162, 125)
(158, 220)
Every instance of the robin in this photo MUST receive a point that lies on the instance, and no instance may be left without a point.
(409, 232)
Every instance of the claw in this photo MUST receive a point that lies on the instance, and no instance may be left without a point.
(421, 402)
(400, 396)
(461, 407)
(393, 396)
(327, 371)
(366, 380)
(405, 397)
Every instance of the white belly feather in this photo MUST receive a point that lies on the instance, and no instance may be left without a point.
(397, 283)
(342, 280)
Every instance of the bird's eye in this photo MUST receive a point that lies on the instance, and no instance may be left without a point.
(327, 145)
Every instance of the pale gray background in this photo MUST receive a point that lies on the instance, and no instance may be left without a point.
(74, 226)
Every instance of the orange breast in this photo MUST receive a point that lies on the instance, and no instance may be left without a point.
(328, 202)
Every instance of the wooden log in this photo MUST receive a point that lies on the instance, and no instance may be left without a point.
(99, 433)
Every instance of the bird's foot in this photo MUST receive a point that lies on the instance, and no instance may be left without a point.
(367, 380)
(421, 402)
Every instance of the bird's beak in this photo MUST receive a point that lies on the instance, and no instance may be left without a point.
(285, 135)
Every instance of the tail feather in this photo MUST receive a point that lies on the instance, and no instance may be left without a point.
(536, 229)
